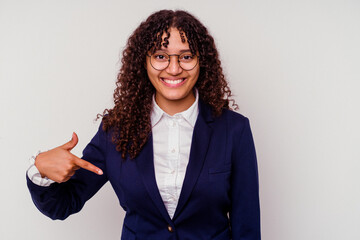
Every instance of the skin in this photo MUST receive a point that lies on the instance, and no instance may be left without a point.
(173, 98)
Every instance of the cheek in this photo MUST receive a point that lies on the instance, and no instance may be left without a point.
(153, 77)
(148, 67)
(196, 74)
(150, 72)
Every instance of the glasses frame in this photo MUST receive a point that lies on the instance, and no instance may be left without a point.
(178, 57)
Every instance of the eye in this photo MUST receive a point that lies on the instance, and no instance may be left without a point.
(160, 56)
(186, 57)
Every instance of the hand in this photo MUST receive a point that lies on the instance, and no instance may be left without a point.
(59, 164)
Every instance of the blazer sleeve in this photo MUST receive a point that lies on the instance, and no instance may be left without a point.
(245, 208)
(59, 200)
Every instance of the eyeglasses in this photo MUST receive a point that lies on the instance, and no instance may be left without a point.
(161, 60)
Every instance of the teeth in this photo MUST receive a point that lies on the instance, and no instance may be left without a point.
(173, 81)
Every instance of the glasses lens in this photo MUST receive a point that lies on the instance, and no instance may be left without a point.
(159, 60)
(187, 60)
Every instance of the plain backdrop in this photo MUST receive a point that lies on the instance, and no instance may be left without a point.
(293, 67)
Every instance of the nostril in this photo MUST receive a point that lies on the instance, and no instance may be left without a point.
(174, 67)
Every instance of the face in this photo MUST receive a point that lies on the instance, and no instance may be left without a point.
(174, 85)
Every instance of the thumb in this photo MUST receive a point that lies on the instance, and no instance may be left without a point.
(72, 143)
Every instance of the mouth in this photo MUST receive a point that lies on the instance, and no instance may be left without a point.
(172, 82)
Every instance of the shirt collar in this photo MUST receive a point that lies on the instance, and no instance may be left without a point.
(190, 114)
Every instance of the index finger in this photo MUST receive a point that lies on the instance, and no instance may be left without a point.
(88, 166)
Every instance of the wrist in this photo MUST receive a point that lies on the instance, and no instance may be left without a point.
(34, 174)
(37, 163)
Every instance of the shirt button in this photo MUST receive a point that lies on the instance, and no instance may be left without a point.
(173, 151)
(170, 229)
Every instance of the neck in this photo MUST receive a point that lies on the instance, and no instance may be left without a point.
(172, 107)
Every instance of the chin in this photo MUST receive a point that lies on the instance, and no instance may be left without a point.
(174, 97)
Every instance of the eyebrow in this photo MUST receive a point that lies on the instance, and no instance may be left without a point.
(181, 50)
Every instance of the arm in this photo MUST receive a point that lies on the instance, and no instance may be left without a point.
(245, 209)
(61, 199)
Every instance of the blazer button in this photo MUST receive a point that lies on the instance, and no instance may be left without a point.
(170, 228)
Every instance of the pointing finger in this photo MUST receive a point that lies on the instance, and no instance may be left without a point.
(88, 166)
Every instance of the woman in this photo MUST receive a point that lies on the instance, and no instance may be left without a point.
(182, 164)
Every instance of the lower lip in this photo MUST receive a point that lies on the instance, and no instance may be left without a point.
(173, 85)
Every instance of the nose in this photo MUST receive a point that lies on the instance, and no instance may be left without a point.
(174, 66)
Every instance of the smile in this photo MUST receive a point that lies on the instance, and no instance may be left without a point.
(173, 82)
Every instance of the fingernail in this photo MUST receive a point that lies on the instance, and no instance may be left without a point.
(100, 172)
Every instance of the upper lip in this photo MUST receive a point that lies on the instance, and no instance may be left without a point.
(172, 78)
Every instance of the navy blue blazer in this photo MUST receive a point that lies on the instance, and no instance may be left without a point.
(219, 198)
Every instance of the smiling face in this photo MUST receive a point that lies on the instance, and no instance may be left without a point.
(174, 85)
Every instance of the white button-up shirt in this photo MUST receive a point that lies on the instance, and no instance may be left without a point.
(172, 137)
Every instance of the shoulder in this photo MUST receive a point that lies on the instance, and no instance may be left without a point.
(233, 119)
(227, 115)
(234, 116)
(228, 119)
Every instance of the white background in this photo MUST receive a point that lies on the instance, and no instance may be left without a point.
(293, 67)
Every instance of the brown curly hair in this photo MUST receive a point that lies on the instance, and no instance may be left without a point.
(129, 120)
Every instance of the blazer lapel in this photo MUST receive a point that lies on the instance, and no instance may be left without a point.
(145, 164)
(199, 146)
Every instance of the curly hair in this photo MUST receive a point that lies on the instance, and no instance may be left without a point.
(129, 120)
